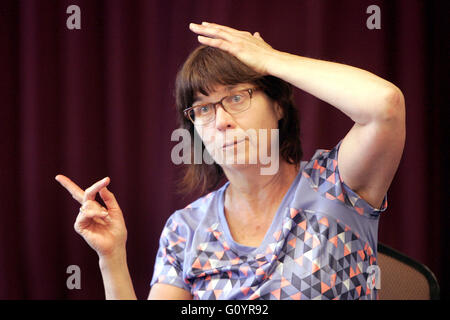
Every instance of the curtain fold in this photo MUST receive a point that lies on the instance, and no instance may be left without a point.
(99, 102)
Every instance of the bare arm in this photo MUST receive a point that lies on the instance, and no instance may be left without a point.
(371, 151)
(116, 278)
(162, 291)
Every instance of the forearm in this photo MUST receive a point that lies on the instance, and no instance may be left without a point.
(359, 94)
(116, 278)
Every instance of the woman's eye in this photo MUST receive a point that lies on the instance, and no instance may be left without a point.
(204, 109)
(236, 98)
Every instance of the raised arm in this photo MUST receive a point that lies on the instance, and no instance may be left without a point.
(371, 151)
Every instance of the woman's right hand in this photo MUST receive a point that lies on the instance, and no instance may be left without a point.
(102, 228)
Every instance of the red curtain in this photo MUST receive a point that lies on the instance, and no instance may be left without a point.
(99, 102)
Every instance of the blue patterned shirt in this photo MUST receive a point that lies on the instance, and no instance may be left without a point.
(320, 244)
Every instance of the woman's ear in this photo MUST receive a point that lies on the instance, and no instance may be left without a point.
(278, 111)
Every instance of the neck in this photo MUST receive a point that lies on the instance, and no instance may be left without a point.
(254, 194)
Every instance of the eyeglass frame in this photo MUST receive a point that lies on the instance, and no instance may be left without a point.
(187, 110)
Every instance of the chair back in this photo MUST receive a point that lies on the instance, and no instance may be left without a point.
(403, 278)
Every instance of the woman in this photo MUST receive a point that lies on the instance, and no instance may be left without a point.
(306, 231)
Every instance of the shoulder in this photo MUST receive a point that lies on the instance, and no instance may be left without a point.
(326, 158)
(197, 211)
(322, 173)
(321, 169)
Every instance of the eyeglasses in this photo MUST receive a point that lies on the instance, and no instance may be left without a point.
(234, 103)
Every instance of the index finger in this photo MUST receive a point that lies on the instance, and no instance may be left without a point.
(76, 192)
(210, 31)
(219, 26)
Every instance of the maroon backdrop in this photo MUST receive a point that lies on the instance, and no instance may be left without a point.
(99, 102)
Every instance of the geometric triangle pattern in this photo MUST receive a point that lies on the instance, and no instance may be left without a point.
(311, 253)
(323, 174)
(311, 257)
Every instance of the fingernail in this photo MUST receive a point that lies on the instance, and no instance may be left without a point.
(205, 23)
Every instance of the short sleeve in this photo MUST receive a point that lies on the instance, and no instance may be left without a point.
(322, 171)
(169, 259)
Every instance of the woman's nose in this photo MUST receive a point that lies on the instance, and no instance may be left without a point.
(223, 119)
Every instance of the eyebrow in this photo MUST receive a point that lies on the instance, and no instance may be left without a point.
(227, 88)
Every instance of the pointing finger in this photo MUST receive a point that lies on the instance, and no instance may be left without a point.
(76, 192)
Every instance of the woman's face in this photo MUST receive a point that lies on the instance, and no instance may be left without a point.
(244, 138)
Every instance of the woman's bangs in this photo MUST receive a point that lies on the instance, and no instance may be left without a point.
(207, 68)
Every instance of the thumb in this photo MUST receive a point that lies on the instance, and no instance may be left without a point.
(109, 199)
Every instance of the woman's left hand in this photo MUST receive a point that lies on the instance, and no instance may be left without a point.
(250, 49)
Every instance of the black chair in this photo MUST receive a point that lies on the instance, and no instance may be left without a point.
(403, 278)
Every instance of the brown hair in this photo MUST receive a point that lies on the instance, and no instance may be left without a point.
(206, 67)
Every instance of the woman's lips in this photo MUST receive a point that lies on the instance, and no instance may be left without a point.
(230, 144)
